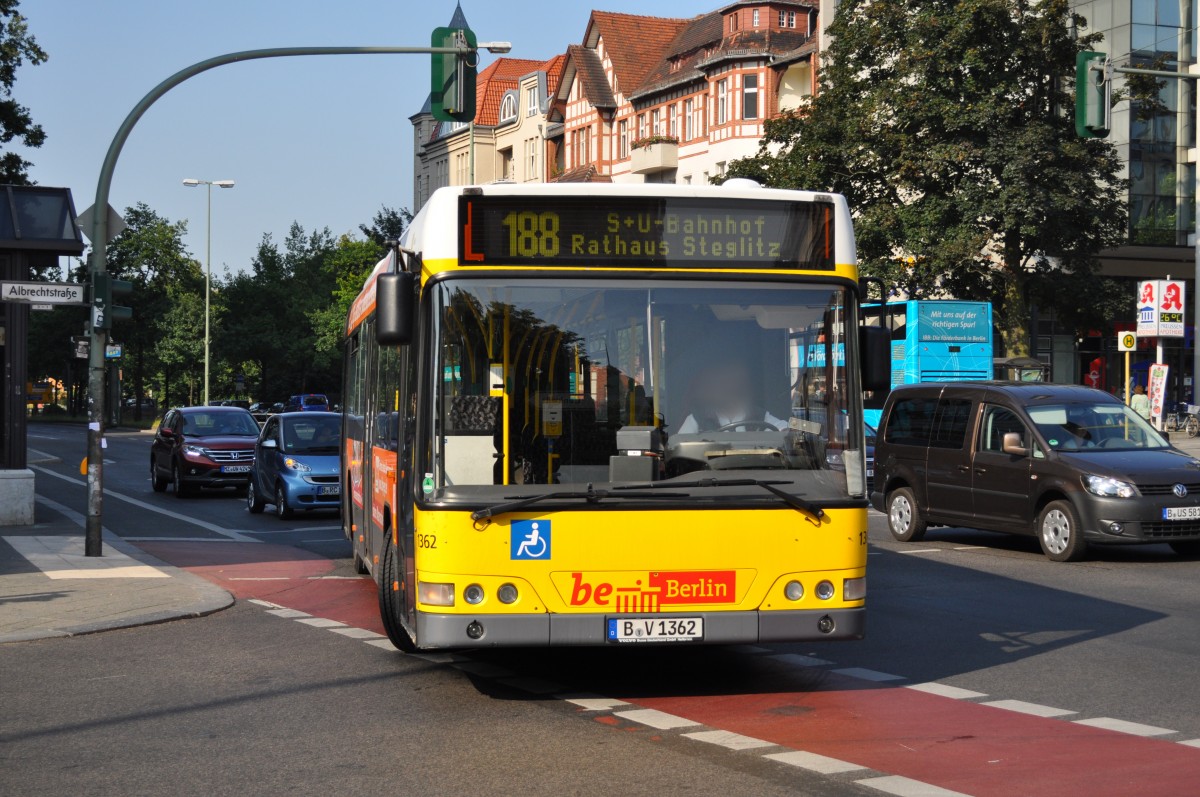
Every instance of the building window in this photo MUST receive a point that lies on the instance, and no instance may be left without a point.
(623, 138)
(641, 119)
(672, 121)
(656, 122)
(722, 101)
(506, 164)
(787, 19)
(753, 20)
(733, 22)
(689, 127)
(531, 101)
(700, 117)
(750, 97)
(508, 107)
(531, 159)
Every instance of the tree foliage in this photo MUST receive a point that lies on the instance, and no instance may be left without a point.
(948, 126)
(16, 47)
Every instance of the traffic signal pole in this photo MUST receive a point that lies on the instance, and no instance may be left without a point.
(102, 310)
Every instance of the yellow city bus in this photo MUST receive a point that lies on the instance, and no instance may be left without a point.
(612, 414)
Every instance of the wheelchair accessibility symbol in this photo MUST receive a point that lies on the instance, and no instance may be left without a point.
(530, 539)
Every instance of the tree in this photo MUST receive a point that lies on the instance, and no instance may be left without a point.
(16, 45)
(948, 126)
(388, 224)
(151, 254)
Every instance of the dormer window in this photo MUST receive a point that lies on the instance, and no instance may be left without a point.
(733, 22)
(508, 106)
(787, 19)
(754, 18)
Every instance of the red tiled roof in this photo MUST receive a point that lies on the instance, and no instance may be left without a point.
(582, 174)
(554, 72)
(494, 81)
(592, 79)
(634, 44)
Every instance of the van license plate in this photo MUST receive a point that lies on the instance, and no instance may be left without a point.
(1182, 513)
(655, 629)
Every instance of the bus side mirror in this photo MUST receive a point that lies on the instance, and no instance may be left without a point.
(395, 308)
(875, 346)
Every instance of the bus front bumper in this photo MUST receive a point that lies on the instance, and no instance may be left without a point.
(720, 628)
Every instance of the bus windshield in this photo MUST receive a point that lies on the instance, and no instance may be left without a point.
(587, 382)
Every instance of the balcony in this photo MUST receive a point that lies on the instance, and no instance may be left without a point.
(652, 157)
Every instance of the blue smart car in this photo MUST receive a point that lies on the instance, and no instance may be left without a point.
(296, 464)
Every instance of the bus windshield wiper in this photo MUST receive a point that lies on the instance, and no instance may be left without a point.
(791, 499)
(592, 496)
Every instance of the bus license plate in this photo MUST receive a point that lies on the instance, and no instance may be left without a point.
(655, 629)
(329, 489)
(1182, 513)
(235, 469)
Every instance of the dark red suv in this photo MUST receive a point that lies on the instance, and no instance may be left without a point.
(198, 447)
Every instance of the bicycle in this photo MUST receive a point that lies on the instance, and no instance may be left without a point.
(1191, 424)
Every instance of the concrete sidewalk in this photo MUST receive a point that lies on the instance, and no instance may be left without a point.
(48, 588)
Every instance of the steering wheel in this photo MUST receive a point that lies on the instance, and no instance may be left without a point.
(749, 426)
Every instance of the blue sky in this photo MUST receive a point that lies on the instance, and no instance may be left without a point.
(324, 141)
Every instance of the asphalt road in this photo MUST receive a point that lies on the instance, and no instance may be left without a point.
(1089, 667)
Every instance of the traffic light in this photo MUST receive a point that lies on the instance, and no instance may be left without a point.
(452, 90)
(104, 312)
(1093, 94)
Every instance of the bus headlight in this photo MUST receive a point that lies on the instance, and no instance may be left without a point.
(825, 590)
(435, 594)
(507, 593)
(473, 594)
(794, 591)
(854, 589)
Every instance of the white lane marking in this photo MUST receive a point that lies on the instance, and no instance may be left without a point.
(320, 622)
(1191, 742)
(358, 633)
(288, 613)
(536, 686)
(798, 660)
(592, 702)
(267, 604)
(945, 690)
(907, 787)
(1134, 728)
(60, 557)
(919, 550)
(970, 547)
(868, 675)
(823, 765)
(386, 644)
(258, 578)
(233, 535)
(1035, 709)
(337, 578)
(655, 718)
(176, 539)
(728, 739)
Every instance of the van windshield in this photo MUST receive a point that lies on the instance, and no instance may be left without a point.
(1080, 426)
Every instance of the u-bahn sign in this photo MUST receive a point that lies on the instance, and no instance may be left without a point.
(42, 292)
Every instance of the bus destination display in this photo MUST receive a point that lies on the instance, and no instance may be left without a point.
(645, 232)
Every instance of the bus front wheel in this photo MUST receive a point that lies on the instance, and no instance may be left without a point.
(391, 599)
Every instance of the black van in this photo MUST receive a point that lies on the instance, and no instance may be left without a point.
(1071, 465)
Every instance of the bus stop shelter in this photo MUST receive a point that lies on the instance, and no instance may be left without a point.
(37, 225)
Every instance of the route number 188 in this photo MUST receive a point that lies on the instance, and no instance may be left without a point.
(532, 234)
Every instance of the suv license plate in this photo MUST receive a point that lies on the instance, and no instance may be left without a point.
(1182, 513)
(655, 629)
(235, 469)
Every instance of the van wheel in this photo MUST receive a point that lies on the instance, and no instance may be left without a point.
(904, 519)
(1186, 547)
(1059, 533)
(390, 599)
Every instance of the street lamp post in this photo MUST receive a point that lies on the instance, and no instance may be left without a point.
(192, 183)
